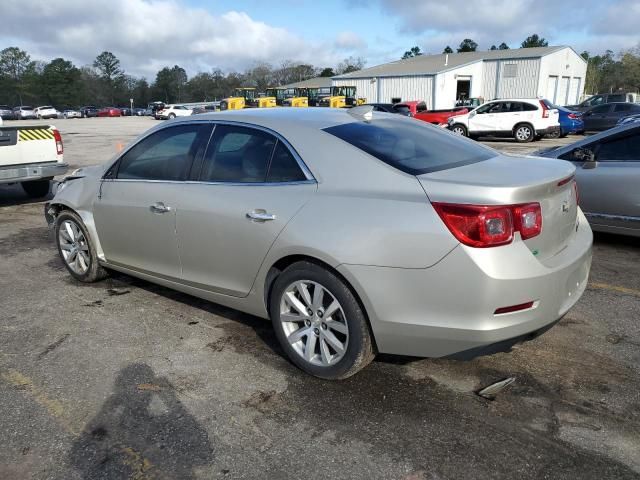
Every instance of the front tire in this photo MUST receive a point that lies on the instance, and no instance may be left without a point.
(37, 188)
(524, 133)
(172, 116)
(319, 322)
(76, 248)
(460, 129)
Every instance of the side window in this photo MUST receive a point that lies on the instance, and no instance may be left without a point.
(284, 167)
(623, 107)
(497, 107)
(515, 107)
(421, 107)
(527, 107)
(597, 100)
(164, 155)
(485, 108)
(618, 97)
(601, 109)
(238, 155)
(621, 149)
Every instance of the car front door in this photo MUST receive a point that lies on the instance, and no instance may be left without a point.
(595, 118)
(135, 212)
(485, 118)
(250, 185)
(608, 187)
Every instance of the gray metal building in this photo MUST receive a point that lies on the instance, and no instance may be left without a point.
(555, 73)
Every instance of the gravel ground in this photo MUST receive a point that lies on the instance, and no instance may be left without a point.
(125, 379)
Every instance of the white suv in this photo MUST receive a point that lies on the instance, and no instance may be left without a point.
(173, 111)
(521, 118)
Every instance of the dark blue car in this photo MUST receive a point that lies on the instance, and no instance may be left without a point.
(570, 121)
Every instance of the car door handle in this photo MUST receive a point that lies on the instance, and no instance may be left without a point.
(260, 216)
(159, 207)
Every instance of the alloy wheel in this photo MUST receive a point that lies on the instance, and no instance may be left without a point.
(314, 323)
(523, 133)
(74, 247)
(458, 131)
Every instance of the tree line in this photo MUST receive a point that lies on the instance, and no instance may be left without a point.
(608, 72)
(60, 83)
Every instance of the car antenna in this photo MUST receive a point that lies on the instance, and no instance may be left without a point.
(363, 112)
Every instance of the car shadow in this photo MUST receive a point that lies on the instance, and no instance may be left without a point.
(615, 240)
(11, 195)
(141, 431)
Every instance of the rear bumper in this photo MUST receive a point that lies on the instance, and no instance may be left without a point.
(25, 173)
(449, 308)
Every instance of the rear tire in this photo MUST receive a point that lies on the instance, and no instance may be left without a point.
(76, 248)
(460, 129)
(524, 133)
(37, 188)
(336, 345)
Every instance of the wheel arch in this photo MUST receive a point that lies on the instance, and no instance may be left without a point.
(520, 124)
(53, 209)
(284, 262)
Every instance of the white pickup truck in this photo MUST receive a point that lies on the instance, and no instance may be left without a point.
(31, 156)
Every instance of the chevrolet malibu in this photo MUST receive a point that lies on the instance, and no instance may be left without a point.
(354, 232)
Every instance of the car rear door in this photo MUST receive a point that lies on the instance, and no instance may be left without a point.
(135, 211)
(609, 192)
(250, 184)
(619, 110)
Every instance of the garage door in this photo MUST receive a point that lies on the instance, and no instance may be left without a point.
(552, 87)
(563, 91)
(574, 92)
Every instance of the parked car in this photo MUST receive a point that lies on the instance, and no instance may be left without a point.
(24, 113)
(6, 112)
(69, 113)
(31, 156)
(606, 116)
(89, 111)
(125, 111)
(603, 98)
(570, 121)
(154, 107)
(109, 112)
(629, 119)
(172, 111)
(397, 108)
(139, 112)
(203, 109)
(467, 250)
(608, 176)
(45, 112)
(524, 119)
(419, 110)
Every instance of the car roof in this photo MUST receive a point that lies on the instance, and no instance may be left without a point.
(283, 118)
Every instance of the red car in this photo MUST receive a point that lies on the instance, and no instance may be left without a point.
(419, 110)
(109, 112)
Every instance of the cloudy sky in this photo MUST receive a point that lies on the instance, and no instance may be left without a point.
(233, 34)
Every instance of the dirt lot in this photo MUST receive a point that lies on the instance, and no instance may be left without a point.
(125, 379)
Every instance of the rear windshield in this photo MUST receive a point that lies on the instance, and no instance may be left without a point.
(401, 108)
(411, 146)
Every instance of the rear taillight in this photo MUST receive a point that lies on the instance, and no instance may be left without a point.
(572, 116)
(545, 110)
(483, 226)
(58, 138)
(528, 220)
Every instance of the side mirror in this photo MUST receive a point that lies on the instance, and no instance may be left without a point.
(472, 114)
(585, 155)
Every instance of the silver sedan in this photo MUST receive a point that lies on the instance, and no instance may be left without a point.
(354, 232)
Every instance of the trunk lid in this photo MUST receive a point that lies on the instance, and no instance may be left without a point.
(511, 180)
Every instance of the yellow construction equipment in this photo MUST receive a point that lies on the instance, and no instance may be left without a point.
(339, 97)
(295, 97)
(246, 97)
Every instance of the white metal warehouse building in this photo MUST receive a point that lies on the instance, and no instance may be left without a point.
(555, 73)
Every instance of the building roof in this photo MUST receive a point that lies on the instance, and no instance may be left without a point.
(432, 64)
(318, 82)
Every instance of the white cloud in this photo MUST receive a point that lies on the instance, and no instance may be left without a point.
(149, 34)
(582, 24)
(350, 41)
